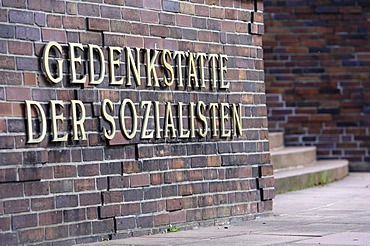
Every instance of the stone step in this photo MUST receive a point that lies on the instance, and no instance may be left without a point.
(276, 140)
(289, 157)
(321, 172)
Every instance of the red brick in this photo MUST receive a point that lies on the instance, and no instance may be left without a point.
(52, 233)
(36, 188)
(156, 179)
(90, 199)
(159, 31)
(64, 201)
(88, 170)
(130, 209)
(139, 180)
(131, 166)
(32, 235)
(15, 3)
(84, 184)
(152, 4)
(50, 218)
(87, 9)
(65, 171)
(174, 204)
(103, 226)
(39, 204)
(20, 48)
(24, 221)
(15, 93)
(74, 22)
(109, 211)
(80, 229)
(98, 24)
(161, 219)
(16, 206)
(149, 16)
(5, 224)
(54, 35)
(112, 197)
(177, 217)
(7, 62)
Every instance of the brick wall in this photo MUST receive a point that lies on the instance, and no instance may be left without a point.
(78, 191)
(317, 59)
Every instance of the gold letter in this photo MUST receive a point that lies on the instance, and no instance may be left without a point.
(168, 121)
(73, 61)
(192, 73)
(223, 69)
(212, 59)
(30, 138)
(201, 57)
(55, 118)
(212, 108)
(130, 66)
(108, 118)
(191, 113)
(45, 63)
(181, 127)
(201, 106)
(93, 47)
(179, 55)
(237, 120)
(224, 117)
(168, 67)
(134, 118)
(112, 64)
(148, 105)
(150, 67)
(80, 122)
(157, 120)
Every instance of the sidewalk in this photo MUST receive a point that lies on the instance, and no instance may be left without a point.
(335, 214)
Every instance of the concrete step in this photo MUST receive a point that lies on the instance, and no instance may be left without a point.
(289, 157)
(276, 140)
(321, 172)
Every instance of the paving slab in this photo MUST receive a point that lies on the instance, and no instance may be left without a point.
(334, 214)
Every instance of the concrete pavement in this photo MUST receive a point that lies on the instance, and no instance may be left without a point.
(334, 214)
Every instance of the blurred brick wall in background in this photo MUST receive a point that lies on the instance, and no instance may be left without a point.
(317, 63)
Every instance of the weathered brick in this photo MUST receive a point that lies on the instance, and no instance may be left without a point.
(32, 235)
(74, 215)
(16, 206)
(103, 226)
(54, 35)
(27, 33)
(38, 204)
(7, 31)
(50, 218)
(109, 211)
(131, 166)
(139, 180)
(5, 224)
(83, 228)
(84, 184)
(15, 3)
(90, 199)
(98, 24)
(64, 201)
(36, 188)
(52, 233)
(145, 221)
(177, 217)
(74, 22)
(88, 170)
(87, 9)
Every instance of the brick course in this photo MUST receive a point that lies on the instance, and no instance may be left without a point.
(89, 190)
(317, 58)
